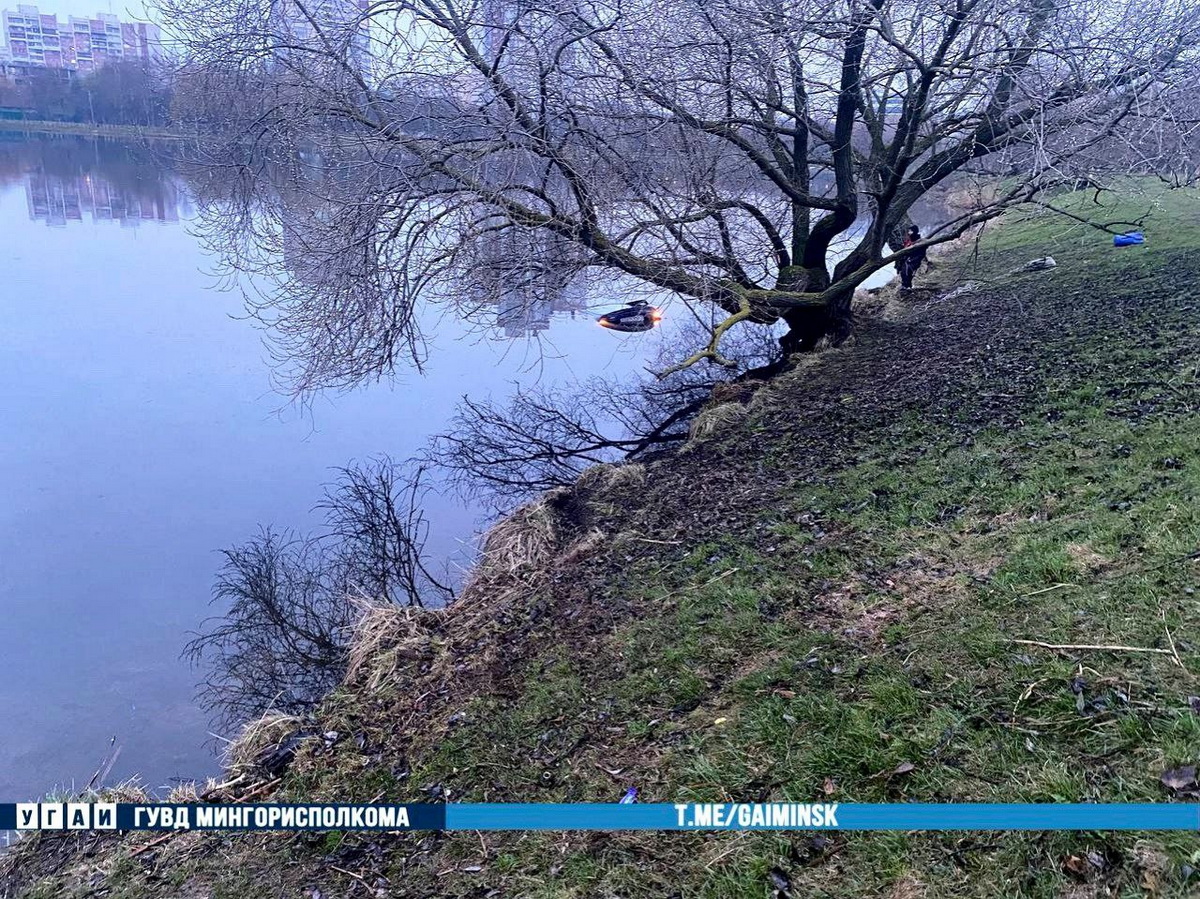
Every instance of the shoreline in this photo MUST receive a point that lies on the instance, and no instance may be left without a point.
(86, 129)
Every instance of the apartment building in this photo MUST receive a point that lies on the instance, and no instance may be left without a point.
(319, 25)
(31, 39)
(61, 200)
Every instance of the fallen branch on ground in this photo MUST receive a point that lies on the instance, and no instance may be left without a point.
(1095, 647)
(245, 797)
(155, 842)
(1170, 639)
(1049, 589)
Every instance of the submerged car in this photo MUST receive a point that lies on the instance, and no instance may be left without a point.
(637, 316)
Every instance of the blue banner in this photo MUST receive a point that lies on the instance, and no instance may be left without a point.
(599, 816)
(824, 816)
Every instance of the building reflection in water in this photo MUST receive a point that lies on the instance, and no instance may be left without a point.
(77, 180)
(518, 279)
(58, 200)
(530, 276)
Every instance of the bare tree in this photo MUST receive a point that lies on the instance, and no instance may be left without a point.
(538, 440)
(281, 640)
(761, 156)
(288, 603)
(373, 513)
(543, 438)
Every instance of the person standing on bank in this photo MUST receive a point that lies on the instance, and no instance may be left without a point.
(907, 265)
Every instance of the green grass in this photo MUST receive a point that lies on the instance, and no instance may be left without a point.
(731, 690)
(1077, 527)
(1169, 218)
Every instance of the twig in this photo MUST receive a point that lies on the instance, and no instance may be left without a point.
(736, 845)
(348, 873)
(1026, 693)
(1106, 227)
(1091, 646)
(259, 790)
(1170, 639)
(215, 788)
(243, 798)
(617, 777)
(106, 764)
(1052, 587)
(713, 351)
(708, 583)
(155, 842)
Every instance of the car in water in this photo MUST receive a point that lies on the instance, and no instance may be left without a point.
(636, 317)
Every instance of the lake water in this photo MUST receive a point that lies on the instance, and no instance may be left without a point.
(141, 435)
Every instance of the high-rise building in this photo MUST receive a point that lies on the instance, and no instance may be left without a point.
(30, 39)
(322, 26)
(528, 276)
(500, 16)
(547, 42)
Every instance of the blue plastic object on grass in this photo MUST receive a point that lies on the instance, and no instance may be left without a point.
(630, 796)
(1132, 239)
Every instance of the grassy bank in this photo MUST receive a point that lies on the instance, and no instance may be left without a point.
(850, 585)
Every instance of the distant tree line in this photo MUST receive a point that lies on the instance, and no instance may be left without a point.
(123, 93)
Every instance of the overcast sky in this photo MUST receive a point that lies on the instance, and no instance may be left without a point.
(127, 9)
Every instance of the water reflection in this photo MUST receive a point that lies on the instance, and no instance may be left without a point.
(348, 289)
(530, 278)
(60, 199)
(144, 436)
(348, 248)
(68, 181)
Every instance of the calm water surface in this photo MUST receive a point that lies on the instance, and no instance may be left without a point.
(140, 435)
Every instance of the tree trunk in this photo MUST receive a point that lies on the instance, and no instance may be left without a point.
(806, 327)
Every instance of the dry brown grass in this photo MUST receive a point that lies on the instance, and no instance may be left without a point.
(387, 638)
(38, 854)
(515, 551)
(130, 790)
(908, 886)
(716, 419)
(880, 303)
(1087, 559)
(191, 791)
(734, 392)
(400, 646)
(779, 394)
(601, 478)
(256, 736)
(583, 547)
